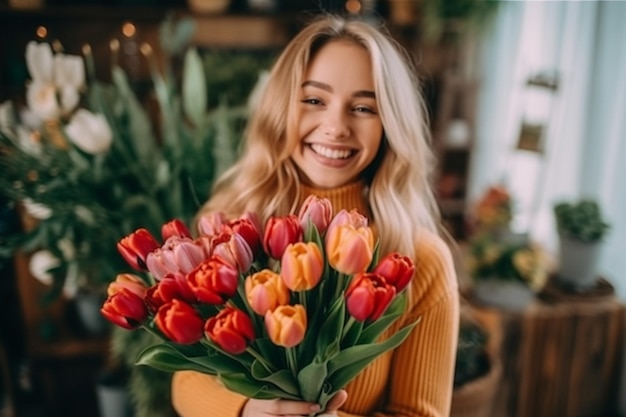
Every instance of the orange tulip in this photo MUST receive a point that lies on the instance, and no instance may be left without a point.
(131, 282)
(302, 266)
(265, 291)
(286, 325)
(349, 249)
(213, 281)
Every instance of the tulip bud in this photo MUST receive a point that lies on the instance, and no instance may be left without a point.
(318, 210)
(174, 227)
(89, 132)
(396, 269)
(280, 232)
(368, 296)
(131, 282)
(213, 281)
(125, 309)
(265, 291)
(349, 249)
(234, 249)
(231, 329)
(286, 325)
(249, 228)
(210, 224)
(302, 266)
(180, 322)
(136, 247)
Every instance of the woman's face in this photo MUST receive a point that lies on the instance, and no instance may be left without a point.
(340, 129)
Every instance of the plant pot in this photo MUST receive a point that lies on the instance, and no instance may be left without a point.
(475, 398)
(112, 394)
(578, 262)
(88, 310)
(506, 295)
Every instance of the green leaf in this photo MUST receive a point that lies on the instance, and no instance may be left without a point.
(243, 384)
(219, 362)
(311, 379)
(351, 337)
(282, 378)
(166, 358)
(194, 87)
(331, 329)
(371, 332)
(349, 362)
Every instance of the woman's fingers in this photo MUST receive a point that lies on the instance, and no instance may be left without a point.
(337, 401)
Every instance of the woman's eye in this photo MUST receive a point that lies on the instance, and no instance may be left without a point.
(364, 110)
(313, 101)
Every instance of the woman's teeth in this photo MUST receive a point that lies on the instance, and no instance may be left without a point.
(330, 153)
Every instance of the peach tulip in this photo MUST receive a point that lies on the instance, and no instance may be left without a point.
(302, 266)
(265, 291)
(349, 249)
(286, 325)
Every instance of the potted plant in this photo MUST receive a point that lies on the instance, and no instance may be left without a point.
(581, 228)
(477, 369)
(506, 274)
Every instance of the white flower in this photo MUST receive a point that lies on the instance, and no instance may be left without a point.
(40, 263)
(53, 76)
(89, 132)
(28, 141)
(6, 117)
(37, 210)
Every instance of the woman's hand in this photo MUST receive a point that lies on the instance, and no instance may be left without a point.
(289, 408)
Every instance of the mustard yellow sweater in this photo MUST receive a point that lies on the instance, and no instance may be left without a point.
(413, 380)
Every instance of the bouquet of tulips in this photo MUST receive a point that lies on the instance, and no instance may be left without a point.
(291, 310)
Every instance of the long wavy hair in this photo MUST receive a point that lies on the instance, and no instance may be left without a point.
(265, 179)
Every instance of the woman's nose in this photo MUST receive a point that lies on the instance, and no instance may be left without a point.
(336, 126)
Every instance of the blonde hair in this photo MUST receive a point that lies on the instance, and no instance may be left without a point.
(265, 180)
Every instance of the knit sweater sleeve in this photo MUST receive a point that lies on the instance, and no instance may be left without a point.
(420, 379)
(198, 395)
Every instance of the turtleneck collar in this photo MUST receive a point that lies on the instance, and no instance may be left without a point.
(350, 196)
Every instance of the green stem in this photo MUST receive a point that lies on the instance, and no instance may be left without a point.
(261, 359)
(151, 331)
(292, 361)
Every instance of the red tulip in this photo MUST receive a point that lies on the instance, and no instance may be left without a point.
(231, 329)
(175, 286)
(301, 266)
(396, 269)
(249, 228)
(286, 325)
(349, 249)
(125, 309)
(280, 232)
(368, 296)
(318, 210)
(174, 228)
(136, 247)
(213, 281)
(180, 322)
(265, 291)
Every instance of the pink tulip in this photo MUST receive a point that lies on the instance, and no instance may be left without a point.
(396, 269)
(280, 232)
(180, 322)
(349, 249)
(234, 249)
(213, 281)
(302, 266)
(210, 224)
(265, 291)
(179, 255)
(318, 210)
(249, 228)
(231, 329)
(286, 325)
(368, 296)
(136, 247)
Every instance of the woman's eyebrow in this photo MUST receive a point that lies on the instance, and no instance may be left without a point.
(327, 87)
